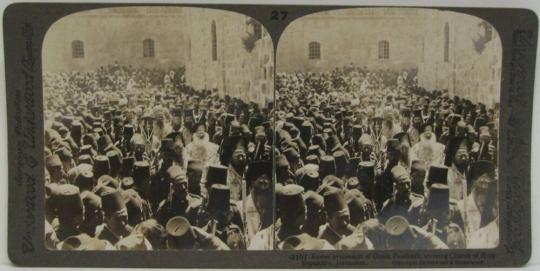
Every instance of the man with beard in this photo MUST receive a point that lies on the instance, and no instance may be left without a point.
(115, 226)
(237, 166)
(428, 149)
(201, 148)
(479, 209)
(257, 208)
(178, 200)
(457, 158)
(403, 202)
(414, 130)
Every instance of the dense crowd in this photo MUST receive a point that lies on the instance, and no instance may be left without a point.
(367, 162)
(137, 160)
(349, 159)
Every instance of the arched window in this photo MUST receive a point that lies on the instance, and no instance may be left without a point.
(446, 42)
(384, 49)
(148, 48)
(214, 41)
(314, 50)
(77, 49)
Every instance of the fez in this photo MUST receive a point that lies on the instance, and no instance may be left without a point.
(334, 200)
(216, 174)
(115, 162)
(327, 166)
(127, 166)
(289, 199)
(219, 198)
(342, 163)
(141, 173)
(310, 180)
(111, 201)
(85, 180)
(68, 202)
(101, 166)
(438, 198)
(437, 174)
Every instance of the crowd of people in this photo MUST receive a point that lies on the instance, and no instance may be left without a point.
(137, 160)
(347, 159)
(367, 162)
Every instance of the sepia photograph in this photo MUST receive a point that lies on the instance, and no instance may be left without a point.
(387, 125)
(158, 130)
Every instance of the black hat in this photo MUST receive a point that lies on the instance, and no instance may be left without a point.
(101, 166)
(437, 174)
(85, 180)
(68, 202)
(417, 113)
(127, 166)
(334, 200)
(327, 166)
(115, 162)
(310, 180)
(141, 173)
(219, 198)
(342, 163)
(288, 199)
(366, 173)
(438, 198)
(111, 200)
(258, 168)
(216, 174)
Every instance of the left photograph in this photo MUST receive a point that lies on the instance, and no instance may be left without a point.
(158, 130)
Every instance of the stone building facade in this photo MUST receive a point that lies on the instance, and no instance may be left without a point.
(453, 51)
(208, 43)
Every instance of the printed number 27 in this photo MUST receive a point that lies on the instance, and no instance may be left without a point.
(276, 15)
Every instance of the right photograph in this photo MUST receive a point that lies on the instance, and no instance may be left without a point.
(387, 127)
